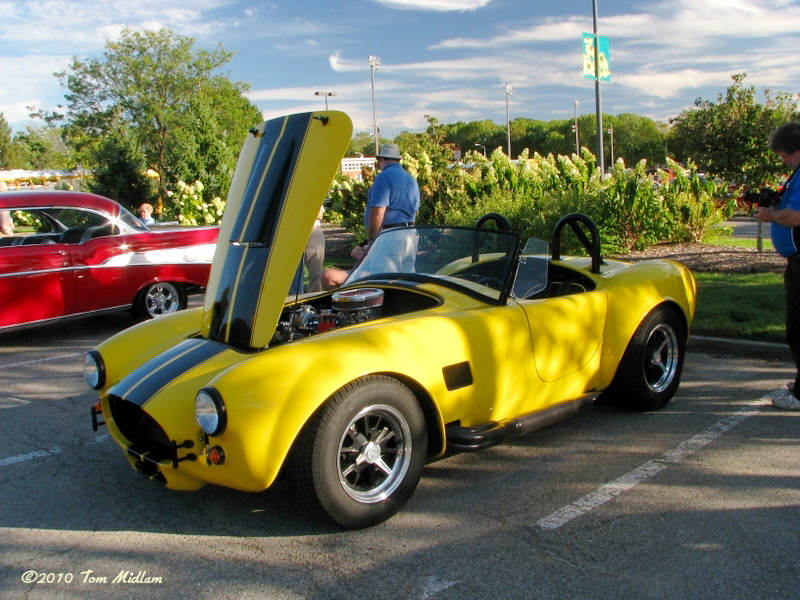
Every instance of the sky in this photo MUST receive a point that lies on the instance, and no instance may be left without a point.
(450, 59)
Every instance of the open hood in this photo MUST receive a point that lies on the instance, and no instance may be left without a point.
(284, 172)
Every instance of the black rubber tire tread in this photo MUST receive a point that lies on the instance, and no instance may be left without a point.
(629, 389)
(321, 490)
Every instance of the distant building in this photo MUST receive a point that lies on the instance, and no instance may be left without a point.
(353, 166)
(19, 179)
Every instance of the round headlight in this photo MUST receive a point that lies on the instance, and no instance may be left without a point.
(209, 410)
(94, 370)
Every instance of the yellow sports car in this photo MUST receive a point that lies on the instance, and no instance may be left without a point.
(441, 339)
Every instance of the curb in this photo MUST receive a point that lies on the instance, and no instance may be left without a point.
(743, 348)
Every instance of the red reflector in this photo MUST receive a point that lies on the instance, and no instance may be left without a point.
(216, 455)
(98, 407)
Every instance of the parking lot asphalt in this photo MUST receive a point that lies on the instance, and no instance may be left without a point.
(739, 348)
(692, 501)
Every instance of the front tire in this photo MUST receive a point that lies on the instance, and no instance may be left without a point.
(159, 298)
(650, 370)
(360, 457)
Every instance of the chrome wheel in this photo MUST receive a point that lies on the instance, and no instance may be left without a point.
(161, 299)
(650, 370)
(662, 353)
(361, 455)
(374, 454)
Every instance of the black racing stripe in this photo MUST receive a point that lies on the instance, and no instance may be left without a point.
(143, 383)
(258, 216)
(234, 309)
(224, 292)
(242, 317)
(269, 138)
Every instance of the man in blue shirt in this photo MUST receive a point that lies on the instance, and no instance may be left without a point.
(785, 232)
(393, 199)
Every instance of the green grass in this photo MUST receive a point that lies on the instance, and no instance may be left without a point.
(746, 306)
(766, 243)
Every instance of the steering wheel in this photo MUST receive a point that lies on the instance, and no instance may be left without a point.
(592, 245)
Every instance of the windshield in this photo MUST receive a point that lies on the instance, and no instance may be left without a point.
(534, 263)
(480, 262)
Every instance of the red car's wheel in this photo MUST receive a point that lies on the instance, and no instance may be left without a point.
(160, 298)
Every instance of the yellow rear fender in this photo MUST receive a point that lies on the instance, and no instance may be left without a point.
(633, 294)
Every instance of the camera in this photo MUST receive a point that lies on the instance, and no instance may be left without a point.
(766, 197)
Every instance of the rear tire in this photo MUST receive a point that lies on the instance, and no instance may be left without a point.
(650, 370)
(360, 457)
(159, 298)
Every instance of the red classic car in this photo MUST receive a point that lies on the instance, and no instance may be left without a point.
(73, 254)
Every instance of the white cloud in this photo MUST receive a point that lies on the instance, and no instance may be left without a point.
(346, 66)
(435, 5)
(92, 22)
(31, 75)
(664, 53)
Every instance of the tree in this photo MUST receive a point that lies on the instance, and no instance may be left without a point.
(6, 144)
(155, 87)
(636, 138)
(476, 135)
(363, 143)
(729, 138)
(39, 148)
(119, 169)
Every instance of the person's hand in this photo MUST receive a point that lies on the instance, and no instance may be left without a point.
(358, 252)
(764, 214)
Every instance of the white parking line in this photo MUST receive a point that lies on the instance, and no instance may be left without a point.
(40, 360)
(20, 458)
(434, 585)
(648, 470)
(13, 460)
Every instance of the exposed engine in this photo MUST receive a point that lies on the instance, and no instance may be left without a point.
(346, 308)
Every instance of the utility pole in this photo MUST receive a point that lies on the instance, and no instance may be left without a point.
(575, 126)
(598, 109)
(374, 63)
(325, 93)
(509, 91)
(611, 133)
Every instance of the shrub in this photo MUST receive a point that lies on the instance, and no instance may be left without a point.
(188, 207)
(632, 207)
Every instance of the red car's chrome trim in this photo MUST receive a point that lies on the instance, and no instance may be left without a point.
(90, 313)
(37, 272)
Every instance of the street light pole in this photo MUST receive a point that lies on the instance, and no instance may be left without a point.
(481, 146)
(611, 133)
(509, 91)
(598, 109)
(374, 63)
(325, 93)
(577, 141)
